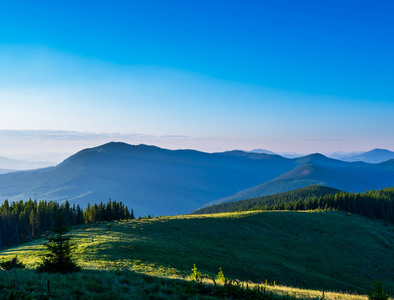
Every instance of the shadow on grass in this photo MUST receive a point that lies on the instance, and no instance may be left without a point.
(155, 247)
(120, 284)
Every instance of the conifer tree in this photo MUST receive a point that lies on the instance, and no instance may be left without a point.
(59, 258)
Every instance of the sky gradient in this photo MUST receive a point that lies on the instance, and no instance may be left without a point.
(299, 76)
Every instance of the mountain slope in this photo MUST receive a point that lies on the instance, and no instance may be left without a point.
(3, 171)
(318, 169)
(148, 179)
(374, 156)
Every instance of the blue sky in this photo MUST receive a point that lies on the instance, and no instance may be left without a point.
(302, 76)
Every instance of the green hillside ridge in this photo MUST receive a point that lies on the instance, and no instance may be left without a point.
(311, 250)
(378, 204)
(269, 201)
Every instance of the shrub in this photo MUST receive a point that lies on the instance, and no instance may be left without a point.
(220, 277)
(12, 264)
(378, 292)
(196, 275)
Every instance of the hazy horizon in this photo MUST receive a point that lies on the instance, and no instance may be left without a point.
(28, 144)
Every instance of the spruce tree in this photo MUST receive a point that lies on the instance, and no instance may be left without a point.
(59, 258)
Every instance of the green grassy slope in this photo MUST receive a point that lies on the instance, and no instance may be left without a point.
(313, 250)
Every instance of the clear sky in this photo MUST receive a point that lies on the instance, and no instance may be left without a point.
(287, 76)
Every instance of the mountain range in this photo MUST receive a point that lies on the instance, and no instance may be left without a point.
(157, 181)
(318, 169)
(374, 156)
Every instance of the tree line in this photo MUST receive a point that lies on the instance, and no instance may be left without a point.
(377, 204)
(21, 221)
(267, 202)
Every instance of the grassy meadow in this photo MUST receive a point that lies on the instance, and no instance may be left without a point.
(296, 253)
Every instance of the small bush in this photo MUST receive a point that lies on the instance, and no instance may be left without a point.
(12, 264)
(220, 277)
(196, 275)
(378, 292)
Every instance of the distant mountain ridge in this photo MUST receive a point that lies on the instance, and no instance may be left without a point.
(157, 181)
(374, 156)
(316, 169)
(262, 151)
(149, 179)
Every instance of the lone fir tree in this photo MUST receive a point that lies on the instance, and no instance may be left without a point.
(60, 249)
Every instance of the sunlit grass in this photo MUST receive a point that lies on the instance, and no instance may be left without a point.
(107, 284)
(311, 251)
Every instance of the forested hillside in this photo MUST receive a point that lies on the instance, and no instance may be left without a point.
(377, 204)
(21, 221)
(270, 201)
